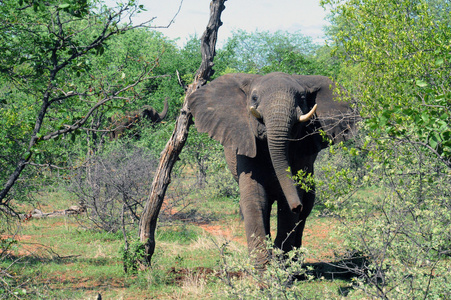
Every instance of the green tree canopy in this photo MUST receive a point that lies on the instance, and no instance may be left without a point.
(48, 86)
(398, 57)
(264, 52)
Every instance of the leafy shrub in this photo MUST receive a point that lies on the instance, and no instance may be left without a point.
(132, 254)
(397, 213)
(340, 171)
(402, 88)
(277, 281)
(407, 233)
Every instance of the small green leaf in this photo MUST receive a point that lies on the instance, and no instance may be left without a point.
(421, 83)
(439, 62)
(433, 142)
(425, 117)
(64, 5)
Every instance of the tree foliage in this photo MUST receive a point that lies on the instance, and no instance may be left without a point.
(398, 56)
(48, 88)
(264, 52)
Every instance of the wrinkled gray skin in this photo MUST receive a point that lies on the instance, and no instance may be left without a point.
(261, 145)
(130, 119)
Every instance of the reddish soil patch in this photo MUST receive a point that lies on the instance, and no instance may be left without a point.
(26, 248)
(19, 238)
(319, 240)
(222, 231)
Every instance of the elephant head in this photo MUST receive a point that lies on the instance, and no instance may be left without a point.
(240, 109)
(151, 114)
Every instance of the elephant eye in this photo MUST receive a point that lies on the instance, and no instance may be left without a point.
(254, 98)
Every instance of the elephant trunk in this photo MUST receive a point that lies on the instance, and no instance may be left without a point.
(279, 125)
(163, 114)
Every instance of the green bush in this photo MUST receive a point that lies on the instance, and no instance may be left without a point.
(398, 215)
(277, 281)
(132, 254)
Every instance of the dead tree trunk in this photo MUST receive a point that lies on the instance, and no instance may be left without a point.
(175, 144)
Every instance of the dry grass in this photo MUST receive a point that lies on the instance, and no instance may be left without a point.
(193, 285)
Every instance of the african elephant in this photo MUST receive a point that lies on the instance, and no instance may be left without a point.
(270, 126)
(130, 119)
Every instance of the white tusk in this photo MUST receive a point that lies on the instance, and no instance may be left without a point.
(255, 112)
(308, 116)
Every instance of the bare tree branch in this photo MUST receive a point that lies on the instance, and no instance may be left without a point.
(173, 18)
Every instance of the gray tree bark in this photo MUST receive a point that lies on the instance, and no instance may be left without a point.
(174, 146)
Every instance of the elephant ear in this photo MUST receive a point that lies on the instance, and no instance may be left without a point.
(335, 117)
(220, 109)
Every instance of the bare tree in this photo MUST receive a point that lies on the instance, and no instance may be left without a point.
(175, 144)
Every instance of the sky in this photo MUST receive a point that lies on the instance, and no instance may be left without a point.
(304, 16)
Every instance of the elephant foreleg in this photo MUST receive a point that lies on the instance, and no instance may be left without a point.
(290, 226)
(256, 210)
